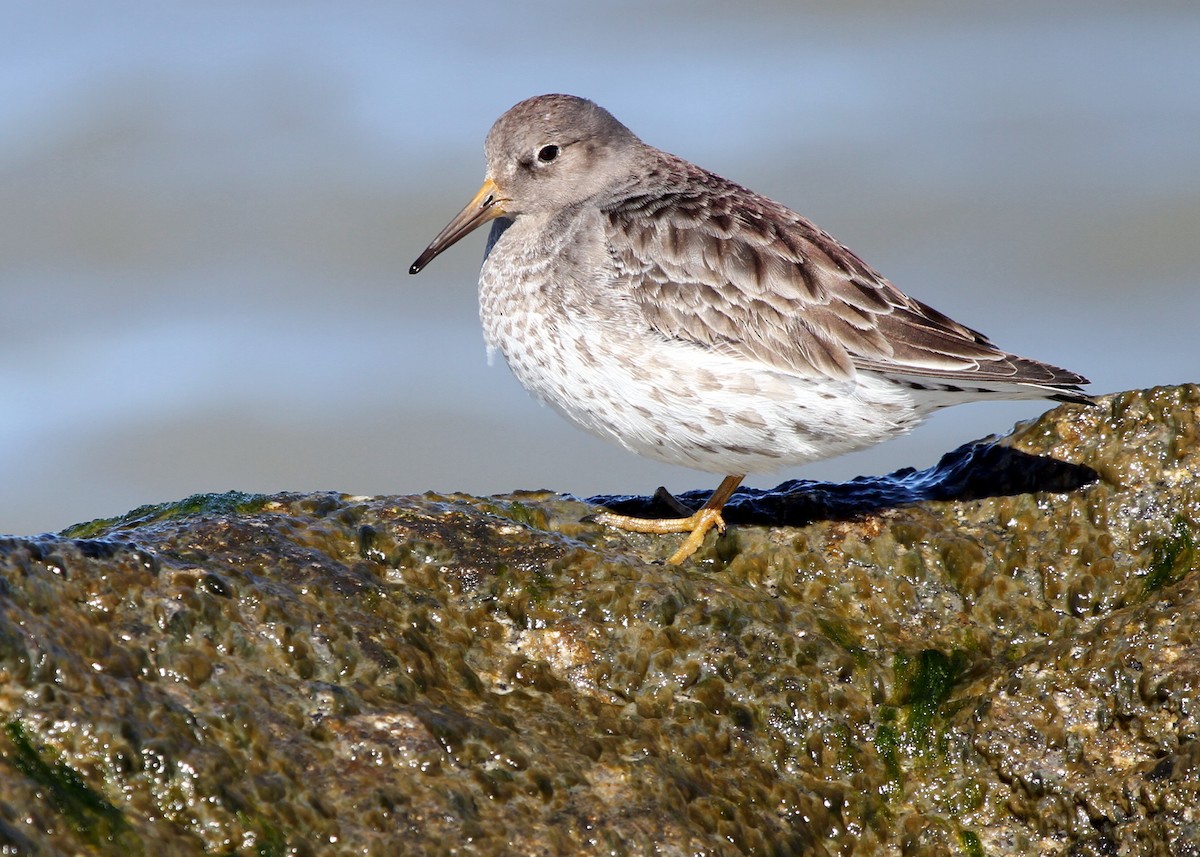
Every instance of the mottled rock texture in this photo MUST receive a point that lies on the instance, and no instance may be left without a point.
(1001, 656)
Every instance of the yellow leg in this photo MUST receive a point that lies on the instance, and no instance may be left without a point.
(696, 525)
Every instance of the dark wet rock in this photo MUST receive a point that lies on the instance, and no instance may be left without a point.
(1007, 665)
(974, 471)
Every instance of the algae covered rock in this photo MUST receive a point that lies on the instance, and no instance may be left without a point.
(1000, 655)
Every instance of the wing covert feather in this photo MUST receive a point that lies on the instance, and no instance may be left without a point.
(710, 262)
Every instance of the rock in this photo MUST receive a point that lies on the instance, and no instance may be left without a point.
(997, 656)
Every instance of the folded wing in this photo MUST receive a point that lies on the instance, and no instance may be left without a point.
(713, 264)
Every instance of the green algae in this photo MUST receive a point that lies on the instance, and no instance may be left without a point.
(923, 685)
(971, 846)
(269, 841)
(524, 514)
(841, 636)
(887, 744)
(1174, 556)
(197, 505)
(98, 822)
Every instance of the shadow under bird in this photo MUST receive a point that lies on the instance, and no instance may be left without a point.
(693, 321)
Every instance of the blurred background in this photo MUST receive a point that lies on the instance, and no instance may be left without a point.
(209, 210)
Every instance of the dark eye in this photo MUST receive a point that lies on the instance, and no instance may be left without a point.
(546, 154)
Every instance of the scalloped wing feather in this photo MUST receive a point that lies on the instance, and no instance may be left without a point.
(715, 264)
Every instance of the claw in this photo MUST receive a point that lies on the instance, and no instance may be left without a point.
(695, 525)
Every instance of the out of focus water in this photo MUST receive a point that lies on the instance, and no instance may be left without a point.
(208, 212)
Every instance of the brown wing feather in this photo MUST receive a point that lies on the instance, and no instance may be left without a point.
(712, 263)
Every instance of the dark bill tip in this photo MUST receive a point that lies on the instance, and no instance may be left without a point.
(478, 211)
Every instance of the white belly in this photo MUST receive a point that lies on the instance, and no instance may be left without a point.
(682, 404)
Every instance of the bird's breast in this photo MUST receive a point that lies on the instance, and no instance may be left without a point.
(540, 280)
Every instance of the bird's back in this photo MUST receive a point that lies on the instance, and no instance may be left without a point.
(714, 264)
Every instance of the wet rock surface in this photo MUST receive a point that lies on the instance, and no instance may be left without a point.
(1009, 665)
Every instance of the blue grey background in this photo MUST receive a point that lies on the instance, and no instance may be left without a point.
(209, 210)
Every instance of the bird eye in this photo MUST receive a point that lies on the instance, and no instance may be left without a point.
(546, 154)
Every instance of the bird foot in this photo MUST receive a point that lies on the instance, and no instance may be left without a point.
(696, 526)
